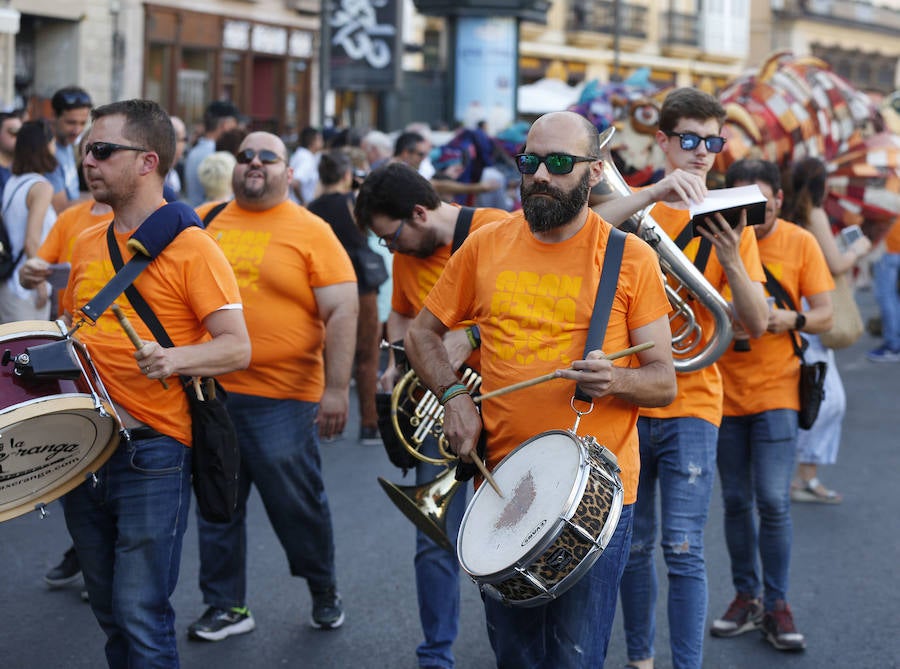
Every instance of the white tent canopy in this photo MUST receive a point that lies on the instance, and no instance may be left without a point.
(547, 95)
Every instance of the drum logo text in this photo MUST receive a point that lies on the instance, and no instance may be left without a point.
(533, 532)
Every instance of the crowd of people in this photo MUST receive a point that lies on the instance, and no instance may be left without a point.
(490, 261)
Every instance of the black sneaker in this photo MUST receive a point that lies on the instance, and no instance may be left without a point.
(743, 615)
(369, 436)
(66, 572)
(327, 612)
(778, 628)
(217, 624)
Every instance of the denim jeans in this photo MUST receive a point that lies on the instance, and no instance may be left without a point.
(127, 529)
(756, 463)
(885, 276)
(571, 632)
(437, 575)
(280, 455)
(680, 453)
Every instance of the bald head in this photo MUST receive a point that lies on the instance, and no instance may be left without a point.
(581, 133)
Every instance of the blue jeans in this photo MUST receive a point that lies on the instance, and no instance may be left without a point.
(437, 575)
(571, 632)
(280, 455)
(127, 529)
(756, 462)
(885, 276)
(680, 453)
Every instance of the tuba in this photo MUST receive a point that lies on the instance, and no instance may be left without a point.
(416, 414)
(686, 285)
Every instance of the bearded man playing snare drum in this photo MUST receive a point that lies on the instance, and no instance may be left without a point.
(529, 283)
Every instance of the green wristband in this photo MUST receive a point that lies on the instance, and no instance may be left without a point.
(453, 391)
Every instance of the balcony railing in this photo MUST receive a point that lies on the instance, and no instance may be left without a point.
(858, 13)
(680, 29)
(600, 17)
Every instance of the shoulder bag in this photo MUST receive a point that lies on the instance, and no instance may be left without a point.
(848, 324)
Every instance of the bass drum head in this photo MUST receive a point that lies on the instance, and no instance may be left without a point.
(541, 480)
(47, 447)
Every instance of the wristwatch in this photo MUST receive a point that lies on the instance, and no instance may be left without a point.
(800, 322)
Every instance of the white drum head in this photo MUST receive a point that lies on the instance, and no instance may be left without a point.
(46, 447)
(540, 481)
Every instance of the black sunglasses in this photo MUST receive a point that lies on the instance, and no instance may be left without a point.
(75, 99)
(557, 163)
(103, 150)
(266, 157)
(691, 140)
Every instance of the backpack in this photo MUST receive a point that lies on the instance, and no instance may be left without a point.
(8, 258)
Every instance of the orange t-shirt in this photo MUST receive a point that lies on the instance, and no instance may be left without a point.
(187, 282)
(533, 303)
(892, 239)
(700, 393)
(766, 377)
(279, 257)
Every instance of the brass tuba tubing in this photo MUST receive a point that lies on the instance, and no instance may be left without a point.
(686, 282)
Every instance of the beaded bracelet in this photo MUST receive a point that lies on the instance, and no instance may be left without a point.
(474, 336)
(453, 391)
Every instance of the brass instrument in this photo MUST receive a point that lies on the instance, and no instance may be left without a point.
(685, 285)
(416, 414)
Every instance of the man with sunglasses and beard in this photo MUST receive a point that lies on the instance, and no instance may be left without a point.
(404, 211)
(299, 293)
(678, 441)
(128, 523)
(530, 282)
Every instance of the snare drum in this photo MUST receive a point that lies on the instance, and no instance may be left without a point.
(561, 506)
(53, 432)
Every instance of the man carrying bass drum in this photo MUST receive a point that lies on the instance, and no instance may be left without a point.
(529, 283)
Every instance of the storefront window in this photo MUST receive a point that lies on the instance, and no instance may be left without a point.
(194, 83)
(158, 79)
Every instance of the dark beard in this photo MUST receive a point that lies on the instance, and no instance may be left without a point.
(545, 214)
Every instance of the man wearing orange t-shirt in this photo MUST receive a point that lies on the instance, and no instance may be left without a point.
(678, 442)
(299, 293)
(758, 437)
(886, 277)
(529, 282)
(128, 524)
(405, 212)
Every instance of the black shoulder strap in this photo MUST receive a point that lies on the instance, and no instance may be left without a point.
(463, 224)
(212, 213)
(783, 301)
(137, 300)
(125, 276)
(606, 292)
(684, 238)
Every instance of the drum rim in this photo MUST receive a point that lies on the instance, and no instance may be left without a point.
(550, 533)
(81, 402)
(55, 329)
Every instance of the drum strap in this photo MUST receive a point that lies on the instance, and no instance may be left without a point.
(606, 292)
(463, 223)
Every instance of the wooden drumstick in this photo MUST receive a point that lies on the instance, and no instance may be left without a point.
(552, 375)
(132, 334)
(486, 474)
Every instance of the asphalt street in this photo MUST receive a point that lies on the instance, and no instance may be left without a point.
(843, 579)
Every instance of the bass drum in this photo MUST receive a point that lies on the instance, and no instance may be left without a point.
(561, 506)
(54, 432)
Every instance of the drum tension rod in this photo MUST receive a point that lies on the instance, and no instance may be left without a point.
(42, 510)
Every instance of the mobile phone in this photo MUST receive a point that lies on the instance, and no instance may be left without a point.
(851, 233)
(59, 275)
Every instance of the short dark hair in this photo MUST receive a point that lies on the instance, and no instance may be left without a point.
(307, 135)
(148, 125)
(807, 190)
(32, 152)
(393, 190)
(407, 142)
(231, 140)
(333, 166)
(751, 170)
(689, 103)
(216, 111)
(70, 97)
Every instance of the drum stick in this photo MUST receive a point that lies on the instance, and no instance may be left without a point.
(552, 375)
(132, 334)
(486, 474)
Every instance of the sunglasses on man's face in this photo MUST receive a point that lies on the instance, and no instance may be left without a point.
(75, 100)
(691, 140)
(103, 150)
(557, 163)
(266, 157)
